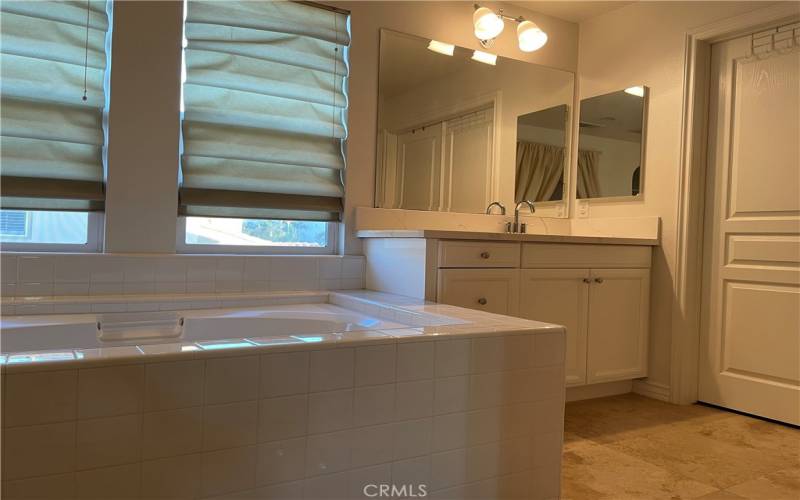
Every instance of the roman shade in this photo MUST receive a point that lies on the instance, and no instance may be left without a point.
(52, 140)
(265, 103)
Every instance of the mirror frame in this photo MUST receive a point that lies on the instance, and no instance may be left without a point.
(642, 154)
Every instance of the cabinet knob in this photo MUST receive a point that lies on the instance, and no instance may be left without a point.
(484, 255)
(482, 301)
(587, 280)
(598, 280)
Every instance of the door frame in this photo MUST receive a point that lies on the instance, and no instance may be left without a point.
(687, 302)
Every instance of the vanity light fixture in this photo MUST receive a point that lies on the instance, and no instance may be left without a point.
(638, 91)
(441, 47)
(484, 57)
(488, 26)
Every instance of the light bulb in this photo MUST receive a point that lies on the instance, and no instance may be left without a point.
(487, 24)
(441, 47)
(638, 91)
(484, 57)
(531, 37)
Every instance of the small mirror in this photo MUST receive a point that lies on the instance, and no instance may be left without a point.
(610, 144)
(542, 154)
(448, 121)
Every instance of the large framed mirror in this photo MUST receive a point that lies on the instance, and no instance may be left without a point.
(610, 145)
(458, 130)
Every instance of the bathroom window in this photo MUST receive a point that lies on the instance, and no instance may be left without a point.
(264, 126)
(45, 230)
(53, 99)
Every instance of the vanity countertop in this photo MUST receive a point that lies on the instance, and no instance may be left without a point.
(524, 237)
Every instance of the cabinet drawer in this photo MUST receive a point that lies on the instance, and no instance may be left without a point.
(478, 254)
(564, 255)
(490, 290)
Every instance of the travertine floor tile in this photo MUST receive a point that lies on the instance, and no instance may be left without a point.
(780, 485)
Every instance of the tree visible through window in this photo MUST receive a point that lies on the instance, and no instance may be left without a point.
(251, 232)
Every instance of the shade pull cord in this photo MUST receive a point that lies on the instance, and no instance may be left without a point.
(86, 52)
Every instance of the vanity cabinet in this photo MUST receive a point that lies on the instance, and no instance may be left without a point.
(600, 293)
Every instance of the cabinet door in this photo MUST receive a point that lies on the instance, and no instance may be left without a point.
(618, 322)
(490, 290)
(560, 296)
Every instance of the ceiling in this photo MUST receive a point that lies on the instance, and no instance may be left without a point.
(571, 11)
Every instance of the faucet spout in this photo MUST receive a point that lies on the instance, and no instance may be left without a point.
(516, 227)
(496, 204)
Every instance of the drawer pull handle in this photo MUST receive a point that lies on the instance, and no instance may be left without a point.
(587, 280)
(484, 255)
(598, 280)
(482, 301)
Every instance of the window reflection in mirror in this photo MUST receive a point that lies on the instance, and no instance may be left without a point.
(610, 144)
(541, 154)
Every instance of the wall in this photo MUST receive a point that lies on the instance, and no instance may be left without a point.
(618, 160)
(446, 21)
(644, 44)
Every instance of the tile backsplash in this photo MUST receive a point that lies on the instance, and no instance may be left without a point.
(44, 275)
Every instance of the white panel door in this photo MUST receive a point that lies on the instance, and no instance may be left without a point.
(419, 160)
(618, 321)
(491, 290)
(560, 296)
(750, 340)
(468, 162)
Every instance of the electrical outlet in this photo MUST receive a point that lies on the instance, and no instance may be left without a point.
(583, 208)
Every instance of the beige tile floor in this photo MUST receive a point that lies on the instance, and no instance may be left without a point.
(632, 447)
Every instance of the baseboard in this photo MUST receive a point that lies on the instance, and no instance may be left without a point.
(650, 389)
(598, 390)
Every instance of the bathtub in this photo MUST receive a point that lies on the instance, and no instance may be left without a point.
(88, 331)
(335, 397)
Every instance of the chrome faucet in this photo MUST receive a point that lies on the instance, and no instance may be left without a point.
(496, 204)
(516, 227)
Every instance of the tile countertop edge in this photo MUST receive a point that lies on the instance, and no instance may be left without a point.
(526, 237)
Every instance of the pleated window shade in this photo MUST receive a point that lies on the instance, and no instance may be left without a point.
(265, 110)
(51, 155)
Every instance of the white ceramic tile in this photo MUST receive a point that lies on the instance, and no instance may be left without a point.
(548, 349)
(488, 354)
(372, 445)
(330, 284)
(71, 289)
(352, 283)
(283, 491)
(450, 394)
(284, 374)
(486, 390)
(452, 357)
(109, 308)
(414, 399)
(518, 351)
(328, 453)
(170, 270)
(200, 269)
(449, 431)
(330, 411)
(333, 486)
(170, 287)
(36, 269)
(330, 268)
(352, 267)
(199, 287)
(139, 288)
(39, 450)
(71, 269)
(34, 289)
(256, 269)
(54, 486)
(139, 270)
(103, 288)
(414, 471)
(230, 425)
(40, 397)
(293, 268)
(415, 361)
(412, 438)
(281, 461)
(545, 446)
(545, 382)
(517, 420)
(107, 269)
(374, 404)
(8, 289)
(484, 426)
(255, 286)
(142, 307)
(172, 432)
(225, 471)
(448, 468)
(282, 418)
(548, 415)
(483, 462)
(8, 268)
(293, 285)
(363, 482)
(545, 482)
(109, 391)
(173, 477)
(231, 379)
(228, 269)
(331, 369)
(375, 364)
(121, 481)
(103, 442)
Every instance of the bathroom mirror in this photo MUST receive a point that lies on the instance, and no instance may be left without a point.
(450, 123)
(610, 152)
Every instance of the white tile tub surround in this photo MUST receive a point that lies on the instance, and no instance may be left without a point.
(43, 275)
(468, 409)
